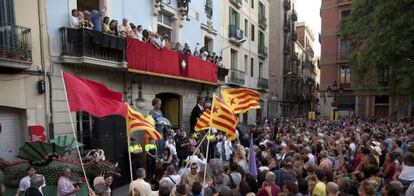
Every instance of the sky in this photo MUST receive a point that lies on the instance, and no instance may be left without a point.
(308, 12)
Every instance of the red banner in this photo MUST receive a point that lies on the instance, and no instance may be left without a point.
(146, 59)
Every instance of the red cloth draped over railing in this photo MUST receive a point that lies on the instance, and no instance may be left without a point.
(146, 59)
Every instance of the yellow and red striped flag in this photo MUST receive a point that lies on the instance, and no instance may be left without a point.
(223, 119)
(241, 100)
(204, 121)
(138, 122)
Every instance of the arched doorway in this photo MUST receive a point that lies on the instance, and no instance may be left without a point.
(171, 108)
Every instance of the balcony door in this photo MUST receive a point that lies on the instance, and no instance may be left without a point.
(171, 108)
(89, 5)
(234, 18)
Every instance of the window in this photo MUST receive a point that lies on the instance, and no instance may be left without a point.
(383, 76)
(208, 44)
(164, 25)
(87, 5)
(234, 18)
(345, 75)
(84, 126)
(344, 50)
(261, 39)
(260, 69)
(233, 58)
(252, 33)
(345, 13)
(252, 4)
(251, 67)
(6, 13)
(246, 63)
(246, 27)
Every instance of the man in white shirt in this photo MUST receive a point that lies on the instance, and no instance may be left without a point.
(308, 152)
(139, 186)
(74, 19)
(171, 145)
(172, 178)
(199, 160)
(25, 182)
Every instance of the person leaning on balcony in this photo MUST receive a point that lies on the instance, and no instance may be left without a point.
(113, 26)
(96, 20)
(74, 19)
(139, 32)
(155, 40)
(86, 22)
(146, 36)
(166, 42)
(124, 28)
(105, 25)
(133, 31)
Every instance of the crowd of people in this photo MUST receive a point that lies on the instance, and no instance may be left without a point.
(92, 20)
(294, 157)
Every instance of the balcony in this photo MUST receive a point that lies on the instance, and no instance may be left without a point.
(92, 48)
(262, 21)
(222, 73)
(287, 5)
(262, 51)
(294, 36)
(236, 35)
(15, 47)
(294, 16)
(209, 8)
(263, 83)
(343, 2)
(237, 76)
(237, 3)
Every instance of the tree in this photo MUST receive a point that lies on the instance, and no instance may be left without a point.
(381, 33)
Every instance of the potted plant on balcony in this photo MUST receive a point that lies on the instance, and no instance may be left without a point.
(22, 51)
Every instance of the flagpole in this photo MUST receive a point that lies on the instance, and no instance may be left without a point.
(129, 144)
(74, 133)
(208, 141)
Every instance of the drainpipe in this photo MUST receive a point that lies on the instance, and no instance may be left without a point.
(46, 73)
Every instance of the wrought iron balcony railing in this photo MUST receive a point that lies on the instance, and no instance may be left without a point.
(263, 83)
(262, 51)
(80, 42)
(235, 32)
(262, 21)
(15, 44)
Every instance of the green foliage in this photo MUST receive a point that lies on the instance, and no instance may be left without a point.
(382, 37)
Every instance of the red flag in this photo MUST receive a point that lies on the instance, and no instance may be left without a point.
(92, 97)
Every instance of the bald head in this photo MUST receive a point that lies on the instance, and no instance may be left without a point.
(332, 189)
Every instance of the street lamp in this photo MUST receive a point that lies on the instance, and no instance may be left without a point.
(334, 92)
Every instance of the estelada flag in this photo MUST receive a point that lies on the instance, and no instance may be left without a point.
(223, 119)
(241, 100)
(138, 122)
(92, 97)
(203, 122)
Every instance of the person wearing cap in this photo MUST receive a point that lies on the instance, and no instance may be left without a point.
(135, 150)
(151, 152)
(376, 150)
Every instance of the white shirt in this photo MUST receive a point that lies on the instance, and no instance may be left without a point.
(172, 148)
(139, 35)
(201, 107)
(25, 184)
(311, 159)
(172, 180)
(139, 187)
(200, 163)
(74, 22)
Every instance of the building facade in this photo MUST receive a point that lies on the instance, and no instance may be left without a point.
(245, 38)
(284, 83)
(338, 91)
(103, 58)
(23, 99)
(308, 67)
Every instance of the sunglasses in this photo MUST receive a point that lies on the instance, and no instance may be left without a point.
(193, 168)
